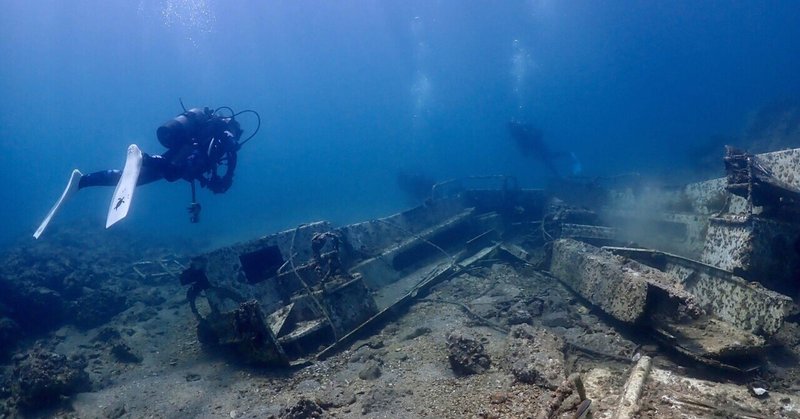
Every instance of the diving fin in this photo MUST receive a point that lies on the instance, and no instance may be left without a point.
(71, 189)
(123, 194)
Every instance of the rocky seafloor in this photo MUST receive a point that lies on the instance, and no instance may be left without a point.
(86, 336)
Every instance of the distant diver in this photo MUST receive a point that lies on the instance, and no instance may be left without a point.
(416, 186)
(530, 143)
(199, 142)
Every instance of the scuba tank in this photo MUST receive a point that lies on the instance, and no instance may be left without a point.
(181, 129)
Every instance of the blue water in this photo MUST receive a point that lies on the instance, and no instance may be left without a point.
(353, 92)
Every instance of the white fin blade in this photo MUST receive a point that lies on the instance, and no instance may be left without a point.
(72, 187)
(123, 194)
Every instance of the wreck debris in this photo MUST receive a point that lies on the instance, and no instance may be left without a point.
(629, 401)
(601, 278)
(413, 290)
(561, 396)
(582, 411)
(245, 330)
(751, 178)
(717, 399)
(344, 281)
(747, 305)
(159, 268)
(632, 293)
(756, 248)
(760, 239)
(329, 262)
(316, 244)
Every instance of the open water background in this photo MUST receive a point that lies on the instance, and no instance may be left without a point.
(353, 92)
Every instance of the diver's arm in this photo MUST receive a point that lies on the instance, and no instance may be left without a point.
(231, 164)
(220, 184)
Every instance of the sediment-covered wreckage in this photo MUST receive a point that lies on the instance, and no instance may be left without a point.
(709, 270)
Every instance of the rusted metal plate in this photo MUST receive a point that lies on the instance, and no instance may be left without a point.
(582, 231)
(755, 248)
(746, 305)
(635, 293)
(387, 267)
(246, 329)
(601, 278)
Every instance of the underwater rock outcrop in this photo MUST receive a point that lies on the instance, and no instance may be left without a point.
(9, 333)
(74, 277)
(34, 308)
(96, 307)
(41, 378)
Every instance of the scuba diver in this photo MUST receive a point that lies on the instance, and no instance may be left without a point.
(199, 142)
(530, 143)
(416, 186)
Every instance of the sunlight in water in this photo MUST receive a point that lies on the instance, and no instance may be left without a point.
(193, 18)
(421, 86)
(521, 64)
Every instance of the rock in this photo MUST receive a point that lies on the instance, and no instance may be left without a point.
(371, 372)
(758, 389)
(336, 397)
(34, 308)
(151, 298)
(376, 343)
(123, 353)
(303, 409)
(420, 331)
(111, 338)
(391, 329)
(43, 377)
(107, 335)
(360, 355)
(115, 412)
(535, 307)
(380, 399)
(9, 334)
(519, 314)
(498, 397)
(96, 307)
(466, 354)
(535, 356)
(557, 319)
(192, 377)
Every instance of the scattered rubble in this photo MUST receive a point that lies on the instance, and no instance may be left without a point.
(536, 356)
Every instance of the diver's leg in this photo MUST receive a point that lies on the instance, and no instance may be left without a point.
(101, 178)
(152, 170)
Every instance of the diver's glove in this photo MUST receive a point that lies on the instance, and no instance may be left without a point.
(219, 184)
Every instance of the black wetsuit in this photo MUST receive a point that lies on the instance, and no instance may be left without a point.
(214, 143)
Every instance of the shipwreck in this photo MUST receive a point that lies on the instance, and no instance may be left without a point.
(710, 269)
